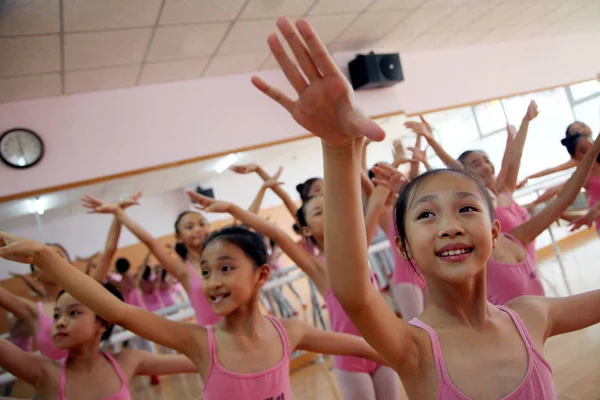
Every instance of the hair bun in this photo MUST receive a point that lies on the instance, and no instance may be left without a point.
(300, 187)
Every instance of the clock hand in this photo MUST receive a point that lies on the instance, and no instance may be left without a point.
(21, 147)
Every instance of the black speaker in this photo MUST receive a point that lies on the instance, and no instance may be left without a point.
(375, 70)
(205, 192)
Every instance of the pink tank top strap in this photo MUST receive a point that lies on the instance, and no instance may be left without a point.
(524, 333)
(123, 394)
(212, 351)
(517, 241)
(438, 358)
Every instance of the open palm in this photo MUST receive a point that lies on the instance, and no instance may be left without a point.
(208, 204)
(18, 249)
(325, 104)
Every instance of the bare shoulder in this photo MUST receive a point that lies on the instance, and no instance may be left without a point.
(533, 311)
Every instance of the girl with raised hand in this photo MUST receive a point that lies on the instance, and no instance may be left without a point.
(245, 356)
(462, 346)
(359, 378)
(85, 372)
(508, 212)
(191, 229)
(511, 272)
(576, 152)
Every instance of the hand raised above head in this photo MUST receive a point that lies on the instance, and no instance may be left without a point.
(325, 104)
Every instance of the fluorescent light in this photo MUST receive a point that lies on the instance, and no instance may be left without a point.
(226, 162)
(37, 206)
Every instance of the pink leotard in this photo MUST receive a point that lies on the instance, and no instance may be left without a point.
(123, 394)
(43, 336)
(204, 313)
(536, 385)
(166, 296)
(273, 383)
(131, 295)
(508, 281)
(512, 216)
(404, 272)
(342, 324)
(152, 300)
(24, 343)
(593, 191)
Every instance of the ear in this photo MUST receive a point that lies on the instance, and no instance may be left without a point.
(495, 233)
(264, 273)
(403, 250)
(103, 326)
(306, 231)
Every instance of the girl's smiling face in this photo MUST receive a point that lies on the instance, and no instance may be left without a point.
(448, 225)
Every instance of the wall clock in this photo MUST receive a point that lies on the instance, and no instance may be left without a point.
(21, 148)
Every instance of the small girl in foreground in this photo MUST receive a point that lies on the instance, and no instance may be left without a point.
(86, 372)
(246, 355)
(462, 346)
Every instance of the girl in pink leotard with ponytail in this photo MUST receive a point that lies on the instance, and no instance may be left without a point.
(247, 356)
(359, 378)
(78, 332)
(461, 347)
(191, 228)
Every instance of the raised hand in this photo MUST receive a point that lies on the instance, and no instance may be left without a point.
(585, 220)
(325, 104)
(511, 131)
(207, 204)
(420, 128)
(133, 200)
(398, 150)
(98, 206)
(18, 249)
(389, 177)
(532, 111)
(244, 169)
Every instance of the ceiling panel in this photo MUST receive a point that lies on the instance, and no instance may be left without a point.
(331, 26)
(197, 11)
(30, 17)
(269, 9)
(25, 55)
(339, 6)
(459, 18)
(372, 26)
(105, 49)
(225, 64)
(86, 15)
(101, 79)
(30, 87)
(385, 5)
(418, 22)
(186, 41)
(107, 41)
(248, 36)
(168, 71)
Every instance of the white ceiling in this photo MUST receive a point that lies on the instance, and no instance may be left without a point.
(57, 47)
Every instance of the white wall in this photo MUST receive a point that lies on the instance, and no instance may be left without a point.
(99, 134)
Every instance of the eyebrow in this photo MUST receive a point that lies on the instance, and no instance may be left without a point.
(69, 306)
(222, 258)
(431, 197)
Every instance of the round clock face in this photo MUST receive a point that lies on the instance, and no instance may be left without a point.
(21, 148)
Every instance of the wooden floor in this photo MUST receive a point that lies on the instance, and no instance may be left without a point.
(575, 357)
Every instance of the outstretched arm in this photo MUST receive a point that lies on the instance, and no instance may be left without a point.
(529, 230)
(325, 108)
(549, 171)
(110, 248)
(303, 336)
(89, 292)
(424, 129)
(22, 308)
(305, 261)
(157, 364)
(278, 190)
(268, 184)
(39, 290)
(22, 364)
(508, 183)
(173, 265)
